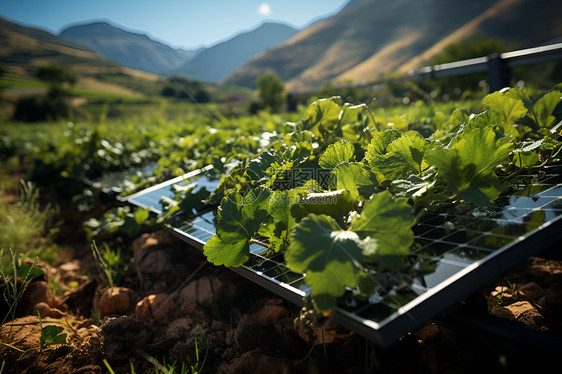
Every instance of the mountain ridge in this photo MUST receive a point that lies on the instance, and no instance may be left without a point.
(364, 41)
(131, 49)
(23, 49)
(221, 59)
(370, 38)
(139, 51)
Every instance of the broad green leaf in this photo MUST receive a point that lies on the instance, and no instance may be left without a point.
(402, 157)
(458, 117)
(398, 122)
(350, 113)
(243, 213)
(280, 221)
(238, 220)
(484, 188)
(493, 120)
(440, 120)
(544, 107)
(329, 256)
(298, 153)
(194, 202)
(336, 204)
(281, 176)
(276, 170)
(312, 185)
(228, 249)
(481, 147)
(367, 284)
(257, 168)
(189, 204)
(299, 137)
(411, 186)
(468, 166)
(509, 109)
(52, 334)
(356, 123)
(381, 141)
(525, 159)
(29, 272)
(388, 221)
(535, 219)
(486, 119)
(141, 215)
(129, 225)
(354, 178)
(526, 95)
(323, 112)
(341, 151)
(411, 149)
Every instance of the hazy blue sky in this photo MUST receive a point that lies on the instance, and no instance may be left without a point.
(187, 23)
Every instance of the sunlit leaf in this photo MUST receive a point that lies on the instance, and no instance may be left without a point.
(397, 159)
(544, 107)
(354, 178)
(238, 220)
(525, 159)
(468, 166)
(508, 108)
(280, 221)
(342, 151)
(329, 256)
(388, 220)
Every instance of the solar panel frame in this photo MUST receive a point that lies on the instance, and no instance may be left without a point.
(428, 298)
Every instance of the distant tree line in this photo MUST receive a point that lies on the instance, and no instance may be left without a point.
(185, 89)
(52, 105)
(271, 94)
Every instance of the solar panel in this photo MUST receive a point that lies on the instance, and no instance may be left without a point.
(456, 252)
(149, 198)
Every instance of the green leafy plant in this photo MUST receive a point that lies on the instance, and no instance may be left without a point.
(350, 222)
(50, 335)
(12, 289)
(125, 220)
(468, 164)
(24, 223)
(332, 258)
(110, 263)
(322, 177)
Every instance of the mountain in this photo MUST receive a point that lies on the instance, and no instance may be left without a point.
(23, 49)
(218, 61)
(370, 38)
(526, 23)
(20, 45)
(130, 49)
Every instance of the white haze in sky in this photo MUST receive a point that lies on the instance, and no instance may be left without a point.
(264, 9)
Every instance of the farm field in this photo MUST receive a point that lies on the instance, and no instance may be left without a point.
(99, 286)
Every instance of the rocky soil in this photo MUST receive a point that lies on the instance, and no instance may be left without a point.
(178, 308)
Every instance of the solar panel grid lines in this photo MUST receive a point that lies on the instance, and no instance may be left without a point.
(456, 251)
(151, 196)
